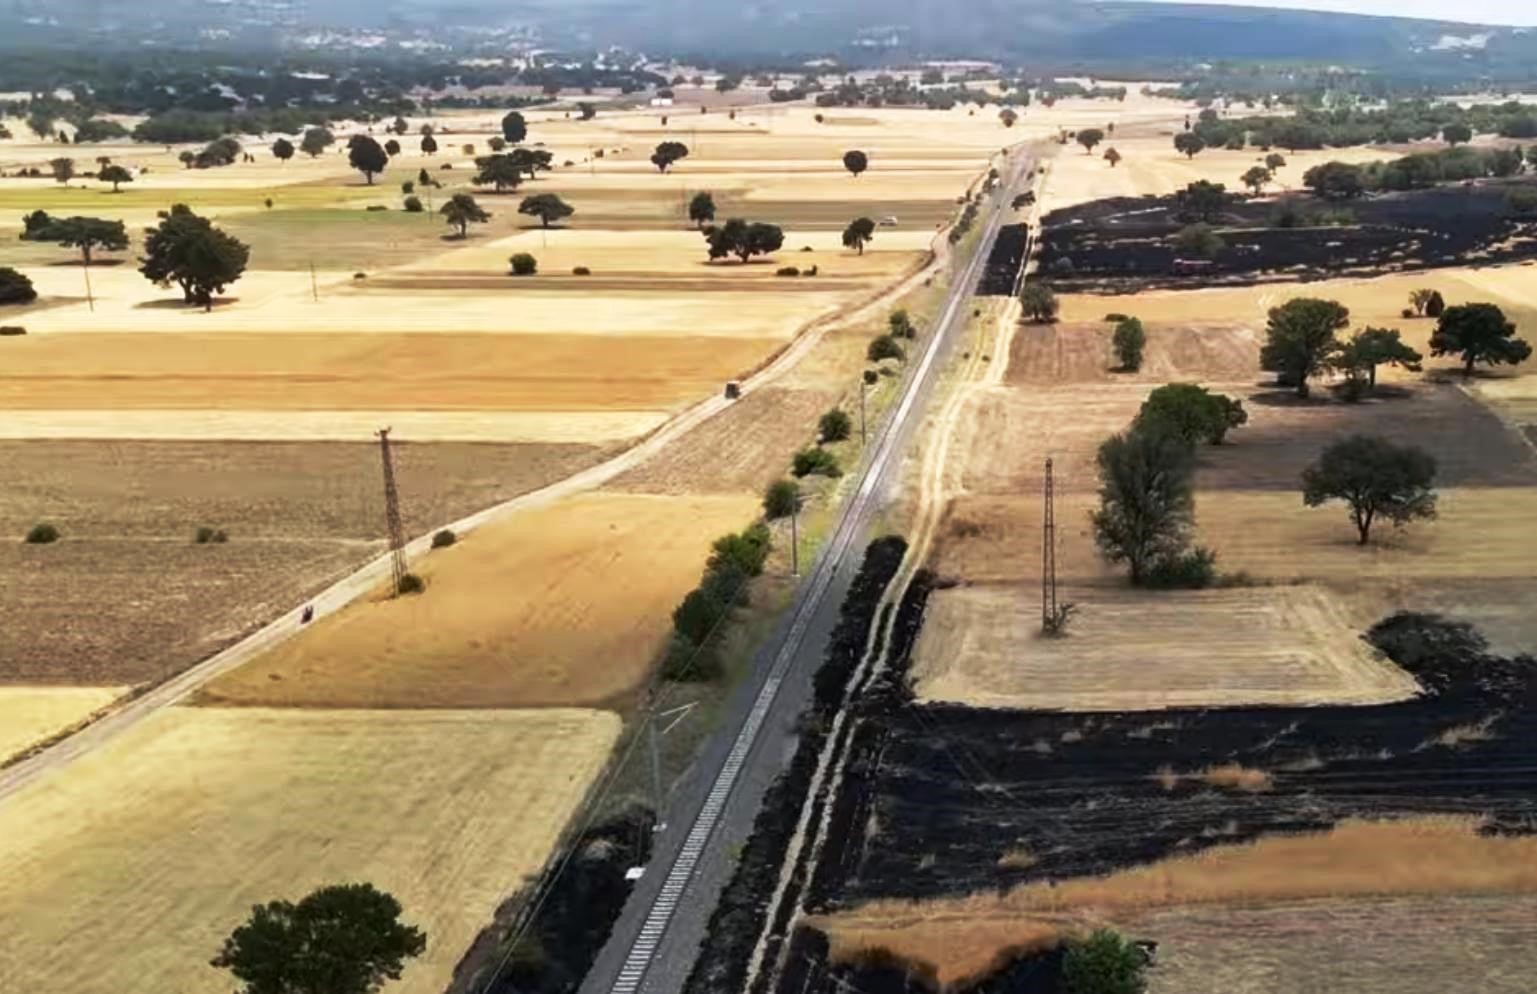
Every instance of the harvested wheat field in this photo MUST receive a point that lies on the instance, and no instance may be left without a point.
(953, 940)
(29, 714)
(175, 829)
(127, 596)
(1130, 651)
(565, 604)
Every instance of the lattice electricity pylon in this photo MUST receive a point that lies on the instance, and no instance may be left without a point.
(392, 514)
(1049, 553)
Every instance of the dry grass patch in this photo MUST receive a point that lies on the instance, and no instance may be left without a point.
(563, 604)
(956, 939)
(1228, 776)
(125, 870)
(31, 714)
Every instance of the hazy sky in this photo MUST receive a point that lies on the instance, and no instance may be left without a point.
(1478, 11)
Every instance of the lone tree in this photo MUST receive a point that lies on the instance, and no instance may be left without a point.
(859, 232)
(116, 175)
(781, 499)
(316, 141)
(63, 168)
(1456, 134)
(15, 288)
(1202, 200)
(342, 939)
(1300, 340)
(392, 148)
(547, 207)
(1145, 499)
(84, 233)
(1191, 412)
(367, 156)
(1104, 963)
(701, 209)
(1478, 333)
(834, 426)
(1113, 157)
(461, 211)
(1359, 358)
(1090, 137)
(1255, 179)
(499, 171)
(1128, 340)
(429, 144)
(856, 162)
(1275, 162)
(283, 150)
(1335, 181)
(1376, 479)
(1008, 116)
(667, 153)
(189, 251)
(532, 160)
(514, 128)
(743, 239)
(1038, 302)
(1189, 144)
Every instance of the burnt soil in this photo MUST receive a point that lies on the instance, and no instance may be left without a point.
(1124, 244)
(937, 793)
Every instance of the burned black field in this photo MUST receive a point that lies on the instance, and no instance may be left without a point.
(1128, 243)
(936, 797)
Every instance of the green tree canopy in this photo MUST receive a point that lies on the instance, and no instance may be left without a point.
(367, 156)
(1359, 358)
(1038, 302)
(1128, 340)
(1256, 179)
(547, 207)
(1189, 144)
(84, 233)
(667, 153)
(743, 239)
(1202, 200)
(859, 231)
(316, 141)
(499, 171)
(781, 499)
(15, 287)
(1478, 333)
(1191, 412)
(283, 150)
(1090, 137)
(189, 251)
(461, 211)
(342, 939)
(1146, 499)
(701, 208)
(1300, 339)
(514, 127)
(1104, 963)
(1375, 478)
(856, 162)
(429, 144)
(1335, 181)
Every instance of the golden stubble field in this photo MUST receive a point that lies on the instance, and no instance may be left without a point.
(126, 871)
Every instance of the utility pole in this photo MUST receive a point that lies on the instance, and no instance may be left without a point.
(314, 287)
(1049, 553)
(658, 793)
(864, 385)
(795, 541)
(90, 299)
(392, 513)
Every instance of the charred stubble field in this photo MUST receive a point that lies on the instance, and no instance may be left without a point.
(126, 596)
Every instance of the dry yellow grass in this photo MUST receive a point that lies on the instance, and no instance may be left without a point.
(952, 940)
(31, 714)
(1229, 776)
(126, 870)
(565, 604)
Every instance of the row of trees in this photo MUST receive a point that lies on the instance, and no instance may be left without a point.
(1400, 122)
(1344, 181)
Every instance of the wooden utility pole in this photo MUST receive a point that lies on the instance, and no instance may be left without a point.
(397, 532)
(1049, 553)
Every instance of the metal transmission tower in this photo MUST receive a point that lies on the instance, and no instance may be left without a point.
(392, 513)
(1049, 615)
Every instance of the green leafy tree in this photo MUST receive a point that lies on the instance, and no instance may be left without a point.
(367, 157)
(1191, 412)
(1359, 358)
(342, 939)
(1104, 963)
(461, 211)
(1113, 157)
(884, 347)
(1256, 179)
(532, 160)
(514, 127)
(429, 144)
(1008, 116)
(1420, 299)
(1456, 134)
(63, 168)
(316, 141)
(1189, 144)
(743, 239)
(859, 232)
(1275, 162)
(1090, 137)
(499, 171)
(1376, 479)
(856, 162)
(701, 209)
(1199, 240)
(523, 264)
(84, 233)
(1038, 302)
(283, 150)
(496, 143)
(1128, 340)
(1300, 340)
(667, 153)
(834, 426)
(781, 499)
(116, 175)
(901, 324)
(1478, 333)
(189, 251)
(1202, 200)
(392, 148)
(1335, 181)
(15, 287)
(1146, 503)
(547, 207)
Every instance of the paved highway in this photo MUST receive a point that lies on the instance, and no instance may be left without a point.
(653, 945)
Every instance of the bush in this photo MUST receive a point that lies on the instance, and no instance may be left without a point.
(210, 536)
(746, 551)
(1195, 569)
(524, 264)
(1115, 318)
(835, 426)
(1039, 303)
(696, 618)
(43, 534)
(581, 271)
(1128, 340)
(410, 583)
(781, 499)
(11, 330)
(884, 347)
(412, 205)
(1104, 963)
(1436, 306)
(444, 538)
(901, 324)
(817, 461)
(685, 662)
(787, 271)
(15, 288)
(376, 207)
